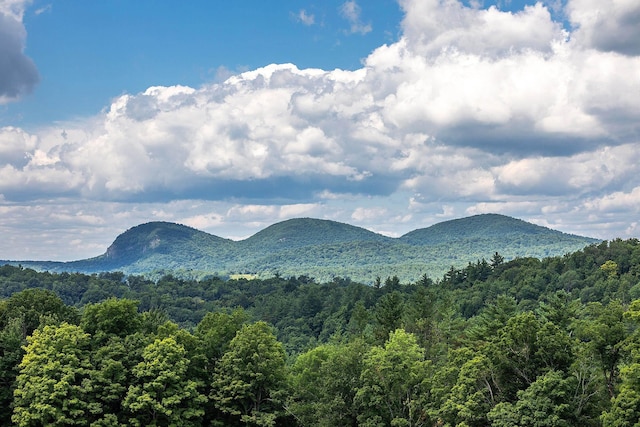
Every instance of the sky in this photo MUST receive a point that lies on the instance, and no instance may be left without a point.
(388, 115)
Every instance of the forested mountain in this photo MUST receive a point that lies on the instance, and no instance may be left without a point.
(528, 342)
(322, 249)
(487, 227)
(305, 232)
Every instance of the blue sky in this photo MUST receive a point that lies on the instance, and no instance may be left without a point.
(89, 52)
(390, 115)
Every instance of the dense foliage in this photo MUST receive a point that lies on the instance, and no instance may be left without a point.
(322, 249)
(527, 342)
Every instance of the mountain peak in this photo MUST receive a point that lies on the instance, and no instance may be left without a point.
(158, 237)
(299, 232)
(483, 227)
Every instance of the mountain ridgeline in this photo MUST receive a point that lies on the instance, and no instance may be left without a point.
(323, 249)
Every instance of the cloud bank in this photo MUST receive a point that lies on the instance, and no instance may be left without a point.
(470, 111)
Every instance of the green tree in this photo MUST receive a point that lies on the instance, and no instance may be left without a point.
(610, 268)
(20, 315)
(492, 318)
(388, 314)
(11, 352)
(421, 313)
(215, 332)
(473, 394)
(625, 407)
(54, 379)
(110, 379)
(161, 393)
(113, 374)
(324, 381)
(392, 377)
(249, 379)
(526, 348)
(603, 329)
(111, 318)
(496, 260)
(547, 402)
(31, 305)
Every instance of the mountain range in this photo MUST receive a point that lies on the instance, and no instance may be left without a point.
(322, 249)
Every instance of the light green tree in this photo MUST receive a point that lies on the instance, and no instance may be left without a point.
(625, 406)
(215, 331)
(250, 376)
(54, 383)
(111, 318)
(473, 394)
(161, 393)
(391, 378)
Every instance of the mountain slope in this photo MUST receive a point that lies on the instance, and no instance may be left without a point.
(158, 245)
(323, 249)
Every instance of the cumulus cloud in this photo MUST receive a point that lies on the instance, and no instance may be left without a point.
(432, 27)
(612, 26)
(472, 110)
(18, 74)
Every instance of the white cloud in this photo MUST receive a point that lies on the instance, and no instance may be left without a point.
(14, 8)
(15, 143)
(350, 10)
(307, 19)
(203, 221)
(618, 201)
(368, 214)
(612, 26)
(434, 27)
(583, 173)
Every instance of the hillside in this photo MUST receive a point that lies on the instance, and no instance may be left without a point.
(323, 249)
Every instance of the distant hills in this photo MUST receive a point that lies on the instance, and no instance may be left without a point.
(322, 249)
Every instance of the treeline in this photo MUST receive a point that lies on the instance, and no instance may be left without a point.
(528, 342)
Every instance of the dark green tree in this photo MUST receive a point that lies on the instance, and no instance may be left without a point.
(324, 381)
(547, 402)
(11, 341)
(388, 313)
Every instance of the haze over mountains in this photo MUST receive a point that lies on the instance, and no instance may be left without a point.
(322, 249)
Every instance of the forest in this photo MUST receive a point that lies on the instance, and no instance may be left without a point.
(525, 342)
